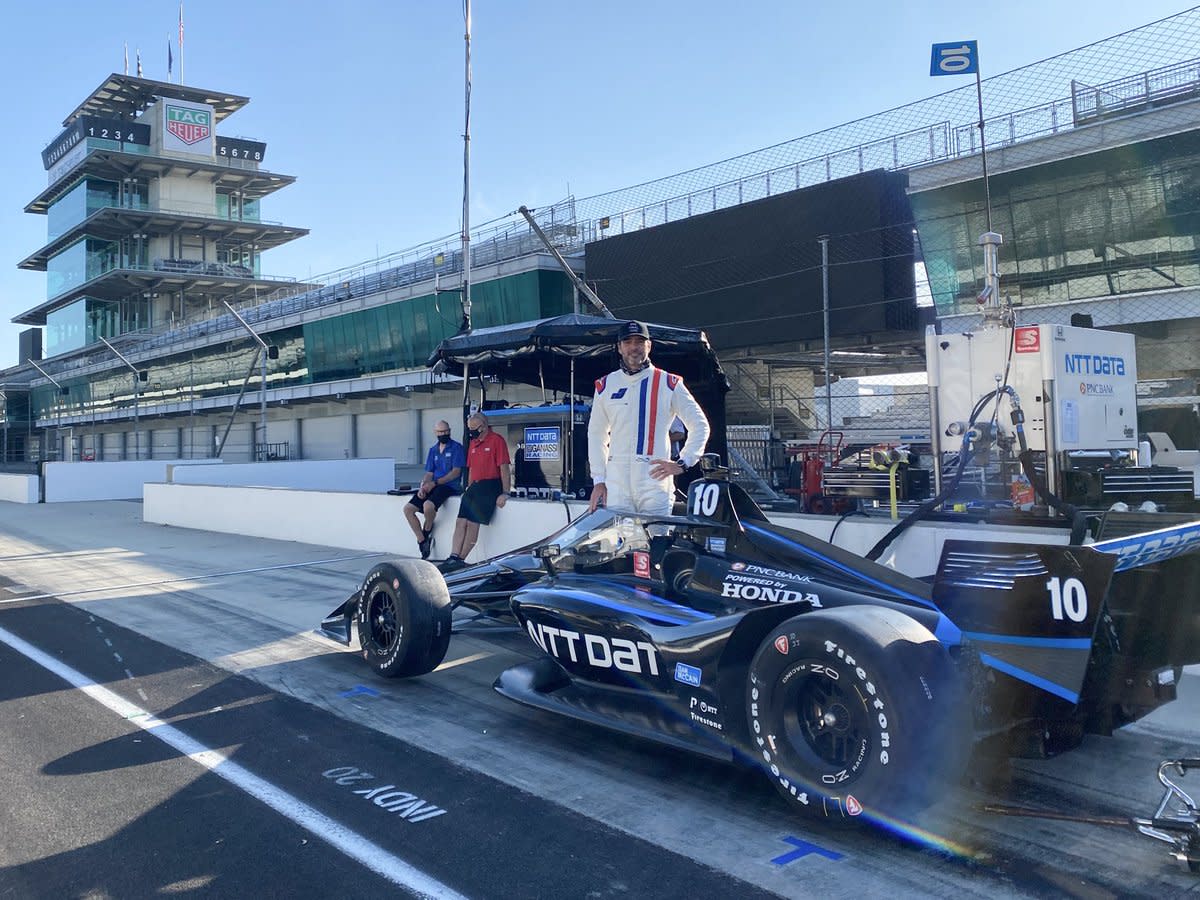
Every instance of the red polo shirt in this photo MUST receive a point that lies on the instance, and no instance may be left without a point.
(487, 454)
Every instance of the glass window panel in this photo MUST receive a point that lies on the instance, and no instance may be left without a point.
(66, 269)
(67, 211)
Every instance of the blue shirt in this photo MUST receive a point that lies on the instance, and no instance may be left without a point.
(443, 458)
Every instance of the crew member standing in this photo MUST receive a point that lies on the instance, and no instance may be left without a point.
(629, 447)
(489, 479)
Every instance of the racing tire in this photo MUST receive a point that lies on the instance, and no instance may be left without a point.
(403, 618)
(856, 712)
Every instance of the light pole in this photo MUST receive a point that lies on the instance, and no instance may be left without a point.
(57, 404)
(263, 352)
(137, 377)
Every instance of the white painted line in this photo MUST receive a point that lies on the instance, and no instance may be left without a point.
(351, 843)
(474, 657)
(200, 576)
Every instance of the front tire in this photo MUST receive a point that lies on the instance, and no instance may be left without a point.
(403, 618)
(856, 710)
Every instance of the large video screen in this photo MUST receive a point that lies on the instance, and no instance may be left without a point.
(751, 274)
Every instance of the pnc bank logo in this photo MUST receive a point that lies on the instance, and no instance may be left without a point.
(188, 124)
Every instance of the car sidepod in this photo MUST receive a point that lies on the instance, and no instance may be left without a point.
(618, 654)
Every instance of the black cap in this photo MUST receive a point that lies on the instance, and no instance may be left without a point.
(632, 329)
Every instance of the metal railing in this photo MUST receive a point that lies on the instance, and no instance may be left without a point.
(272, 452)
(771, 395)
(1169, 84)
(923, 145)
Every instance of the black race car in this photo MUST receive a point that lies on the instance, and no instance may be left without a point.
(856, 689)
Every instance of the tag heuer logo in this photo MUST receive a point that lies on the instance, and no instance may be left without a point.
(188, 124)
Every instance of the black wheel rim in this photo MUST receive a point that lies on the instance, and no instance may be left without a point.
(829, 720)
(382, 620)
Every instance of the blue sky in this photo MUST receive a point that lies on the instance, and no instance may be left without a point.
(362, 100)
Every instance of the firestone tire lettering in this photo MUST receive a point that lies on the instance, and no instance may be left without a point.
(864, 704)
(403, 618)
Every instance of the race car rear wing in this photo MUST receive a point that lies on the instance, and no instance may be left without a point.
(1147, 548)
(1038, 613)
(1030, 611)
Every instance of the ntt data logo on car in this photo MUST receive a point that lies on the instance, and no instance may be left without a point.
(687, 674)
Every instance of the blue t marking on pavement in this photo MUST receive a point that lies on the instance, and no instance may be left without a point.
(803, 848)
(360, 690)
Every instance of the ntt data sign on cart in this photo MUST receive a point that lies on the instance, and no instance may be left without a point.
(187, 128)
(542, 443)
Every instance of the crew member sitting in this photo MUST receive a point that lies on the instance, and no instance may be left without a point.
(443, 466)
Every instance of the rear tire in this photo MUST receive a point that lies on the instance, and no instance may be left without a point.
(856, 711)
(404, 618)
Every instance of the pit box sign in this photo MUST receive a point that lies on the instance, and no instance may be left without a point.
(187, 127)
(954, 58)
(543, 443)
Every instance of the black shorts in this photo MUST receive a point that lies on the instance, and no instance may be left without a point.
(479, 501)
(437, 495)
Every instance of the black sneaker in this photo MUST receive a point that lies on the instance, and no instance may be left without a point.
(451, 564)
(424, 546)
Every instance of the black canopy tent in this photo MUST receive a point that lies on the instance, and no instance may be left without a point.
(568, 353)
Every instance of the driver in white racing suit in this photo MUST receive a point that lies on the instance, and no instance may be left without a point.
(629, 446)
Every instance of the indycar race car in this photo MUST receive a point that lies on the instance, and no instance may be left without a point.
(856, 689)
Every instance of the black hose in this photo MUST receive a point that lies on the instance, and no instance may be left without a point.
(964, 456)
(854, 510)
(1067, 510)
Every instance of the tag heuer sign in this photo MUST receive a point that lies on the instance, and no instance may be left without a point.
(189, 124)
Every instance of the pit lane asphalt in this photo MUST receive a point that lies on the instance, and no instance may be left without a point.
(95, 806)
(247, 606)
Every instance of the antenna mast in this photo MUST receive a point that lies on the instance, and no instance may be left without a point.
(466, 211)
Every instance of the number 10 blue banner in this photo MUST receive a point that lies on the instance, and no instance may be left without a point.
(957, 58)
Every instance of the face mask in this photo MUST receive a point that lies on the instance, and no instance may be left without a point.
(473, 433)
(443, 438)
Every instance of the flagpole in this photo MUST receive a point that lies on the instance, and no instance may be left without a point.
(987, 191)
(181, 41)
(466, 217)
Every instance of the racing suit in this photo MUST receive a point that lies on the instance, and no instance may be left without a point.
(629, 426)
